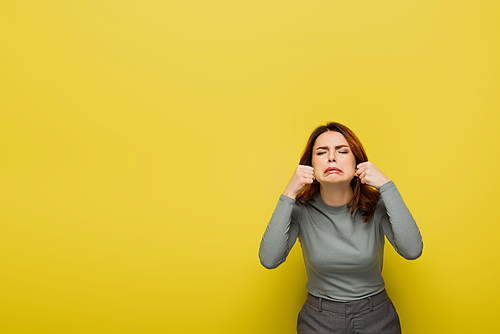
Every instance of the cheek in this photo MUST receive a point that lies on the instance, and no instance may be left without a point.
(352, 164)
(316, 165)
(314, 161)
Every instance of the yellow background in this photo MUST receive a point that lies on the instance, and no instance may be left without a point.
(144, 145)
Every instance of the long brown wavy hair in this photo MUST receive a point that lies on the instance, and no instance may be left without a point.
(364, 197)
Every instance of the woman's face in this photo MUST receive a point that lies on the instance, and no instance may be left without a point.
(332, 158)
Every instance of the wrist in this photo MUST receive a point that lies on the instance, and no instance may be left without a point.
(289, 194)
(387, 180)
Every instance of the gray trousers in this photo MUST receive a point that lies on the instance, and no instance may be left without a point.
(375, 314)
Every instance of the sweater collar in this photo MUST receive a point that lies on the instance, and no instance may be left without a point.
(329, 208)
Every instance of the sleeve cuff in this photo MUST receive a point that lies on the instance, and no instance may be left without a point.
(385, 186)
(287, 199)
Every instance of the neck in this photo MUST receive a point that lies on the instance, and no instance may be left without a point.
(336, 194)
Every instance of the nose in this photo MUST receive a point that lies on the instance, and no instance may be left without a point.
(331, 156)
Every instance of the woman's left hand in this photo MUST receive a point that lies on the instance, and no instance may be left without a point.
(369, 174)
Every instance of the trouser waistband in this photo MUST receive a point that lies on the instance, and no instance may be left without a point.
(367, 303)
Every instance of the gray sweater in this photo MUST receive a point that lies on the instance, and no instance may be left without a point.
(343, 256)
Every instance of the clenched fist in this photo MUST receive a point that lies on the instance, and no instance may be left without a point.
(302, 176)
(369, 174)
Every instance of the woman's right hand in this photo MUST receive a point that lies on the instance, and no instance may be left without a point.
(303, 175)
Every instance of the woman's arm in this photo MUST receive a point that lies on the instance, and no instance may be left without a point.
(280, 236)
(398, 224)
(282, 231)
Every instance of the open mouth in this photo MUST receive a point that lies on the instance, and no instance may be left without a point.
(332, 170)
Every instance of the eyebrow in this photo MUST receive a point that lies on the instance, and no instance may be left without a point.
(326, 147)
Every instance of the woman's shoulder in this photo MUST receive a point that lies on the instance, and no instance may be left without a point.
(297, 206)
(302, 205)
(380, 209)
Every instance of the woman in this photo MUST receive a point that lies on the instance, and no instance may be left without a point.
(341, 206)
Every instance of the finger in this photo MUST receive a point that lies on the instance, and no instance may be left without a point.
(361, 170)
(365, 165)
(362, 178)
(305, 167)
(308, 181)
(362, 164)
(306, 174)
(310, 175)
(308, 170)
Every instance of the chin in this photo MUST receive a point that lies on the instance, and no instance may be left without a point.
(331, 181)
(334, 180)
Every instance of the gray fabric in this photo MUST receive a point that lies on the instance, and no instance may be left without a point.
(370, 315)
(343, 256)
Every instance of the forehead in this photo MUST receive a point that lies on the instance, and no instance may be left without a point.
(330, 138)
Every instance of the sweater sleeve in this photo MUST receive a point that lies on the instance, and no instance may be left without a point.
(398, 224)
(280, 235)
